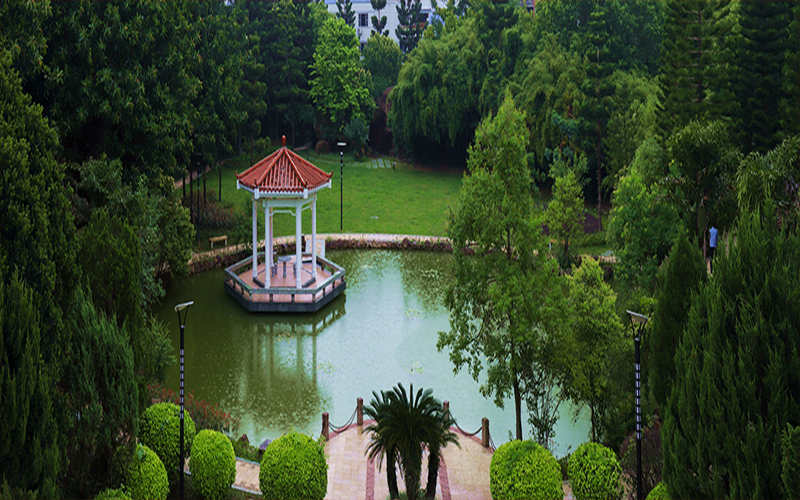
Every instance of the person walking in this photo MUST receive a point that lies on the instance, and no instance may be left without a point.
(712, 247)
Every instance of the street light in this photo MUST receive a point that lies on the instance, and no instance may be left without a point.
(182, 307)
(341, 182)
(641, 320)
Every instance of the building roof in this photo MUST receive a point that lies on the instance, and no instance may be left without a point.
(283, 172)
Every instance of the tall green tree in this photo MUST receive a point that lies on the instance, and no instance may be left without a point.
(681, 277)
(595, 331)
(410, 24)
(565, 211)
(102, 393)
(379, 21)
(345, 12)
(504, 285)
(339, 86)
(737, 383)
(764, 44)
(382, 58)
(697, 63)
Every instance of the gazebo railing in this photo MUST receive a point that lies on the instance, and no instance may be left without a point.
(232, 277)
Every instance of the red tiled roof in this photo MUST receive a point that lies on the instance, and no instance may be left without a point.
(283, 172)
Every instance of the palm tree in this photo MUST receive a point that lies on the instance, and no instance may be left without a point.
(402, 426)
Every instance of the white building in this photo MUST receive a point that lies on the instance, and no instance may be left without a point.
(364, 12)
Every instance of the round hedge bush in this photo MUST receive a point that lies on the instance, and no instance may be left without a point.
(659, 492)
(146, 477)
(294, 467)
(213, 465)
(159, 428)
(523, 470)
(113, 494)
(594, 473)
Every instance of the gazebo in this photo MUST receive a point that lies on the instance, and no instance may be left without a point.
(284, 182)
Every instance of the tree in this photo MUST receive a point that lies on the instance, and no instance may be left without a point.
(404, 422)
(641, 226)
(410, 24)
(345, 12)
(681, 277)
(102, 393)
(595, 330)
(339, 86)
(382, 58)
(565, 211)
(737, 383)
(379, 22)
(504, 284)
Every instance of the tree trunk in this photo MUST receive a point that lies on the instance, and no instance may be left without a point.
(391, 474)
(433, 473)
(220, 181)
(518, 407)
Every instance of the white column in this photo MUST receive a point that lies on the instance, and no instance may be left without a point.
(271, 238)
(298, 265)
(314, 239)
(267, 247)
(255, 240)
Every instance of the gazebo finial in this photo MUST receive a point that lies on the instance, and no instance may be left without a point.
(283, 141)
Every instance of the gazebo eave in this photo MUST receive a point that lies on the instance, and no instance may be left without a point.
(259, 194)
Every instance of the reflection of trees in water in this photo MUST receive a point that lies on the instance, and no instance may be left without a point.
(278, 386)
(427, 274)
(360, 264)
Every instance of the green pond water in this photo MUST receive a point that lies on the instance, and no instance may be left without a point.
(280, 372)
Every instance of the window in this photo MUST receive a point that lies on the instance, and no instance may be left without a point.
(362, 20)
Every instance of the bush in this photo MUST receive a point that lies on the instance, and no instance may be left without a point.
(294, 467)
(522, 470)
(146, 477)
(159, 428)
(112, 494)
(564, 463)
(594, 473)
(213, 465)
(659, 492)
(790, 463)
(204, 414)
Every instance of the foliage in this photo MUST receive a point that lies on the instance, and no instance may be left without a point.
(113, 494)
(146, 477)
(382, 58)
(409, 24)
(379, 21)
(404, 422)
(790, 463)
(652, 459)
(213, 465)
(594, 332)
(660, 492)
(339, 85)
(102, 393)
(159, 428)
(245, 450)
(524, 469)
(594, 473)
(294, 467)
(357, 135)
(737, 368)
(642, 227)
(38, 275)
(345, 12)
(204, 414)
(772, 176)
(565, 210)
(508, 285)
(681, 277)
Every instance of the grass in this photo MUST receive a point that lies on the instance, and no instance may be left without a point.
(400, 200)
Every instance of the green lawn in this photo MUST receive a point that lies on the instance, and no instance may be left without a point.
(398, 200)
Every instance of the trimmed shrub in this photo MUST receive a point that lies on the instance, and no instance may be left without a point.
(159, 429)
(522, 470)
(113, 494)
(659, 492)
(294, 467)
(213, 465)
(790, 463)
(146, 477)
(594, 473)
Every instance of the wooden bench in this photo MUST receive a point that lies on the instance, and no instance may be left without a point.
(217, 239)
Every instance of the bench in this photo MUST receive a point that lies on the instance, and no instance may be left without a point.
(217, 239)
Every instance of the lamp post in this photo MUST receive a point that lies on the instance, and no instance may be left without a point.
(182, 307)
(640, 320)
(341, 183)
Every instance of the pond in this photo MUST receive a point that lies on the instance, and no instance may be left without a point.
(280, 372)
